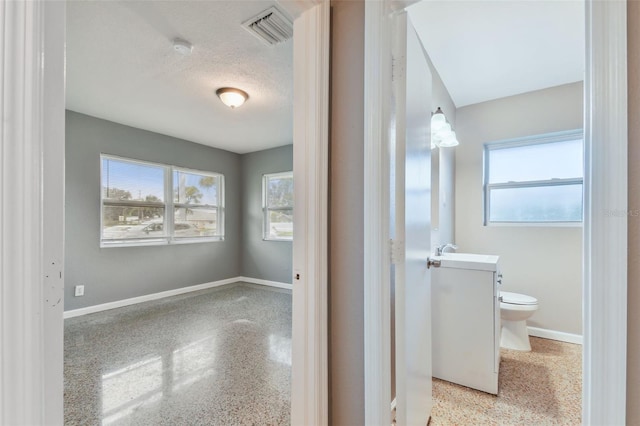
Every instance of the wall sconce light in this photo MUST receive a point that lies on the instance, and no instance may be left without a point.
(441, 134)
(231, 97)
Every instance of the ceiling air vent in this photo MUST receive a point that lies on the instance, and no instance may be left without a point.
(270, 26)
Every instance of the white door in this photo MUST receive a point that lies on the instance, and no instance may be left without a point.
(412, 231)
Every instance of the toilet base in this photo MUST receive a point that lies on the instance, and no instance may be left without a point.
(515, 336)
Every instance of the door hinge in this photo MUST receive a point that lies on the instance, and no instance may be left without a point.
(396, 251)
(397, 67)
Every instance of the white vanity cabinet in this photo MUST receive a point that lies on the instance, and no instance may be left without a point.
(466, 320)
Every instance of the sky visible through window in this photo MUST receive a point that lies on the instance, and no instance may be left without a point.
(139, 180)
(206, 186)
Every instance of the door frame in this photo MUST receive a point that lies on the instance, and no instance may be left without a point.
(377, 202)
(310, 351)
(32, 142)
(605, 234)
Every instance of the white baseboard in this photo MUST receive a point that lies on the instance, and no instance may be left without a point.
(266, 282)
(155, 296)
(555, 335)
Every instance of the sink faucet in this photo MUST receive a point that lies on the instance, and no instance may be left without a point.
(440, 249)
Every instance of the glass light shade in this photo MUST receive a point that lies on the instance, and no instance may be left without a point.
(231, 97)
(443, 132)
(449, 140)
(435, 140)
(438, 120)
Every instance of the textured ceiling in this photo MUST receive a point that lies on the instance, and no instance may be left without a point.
(121, 66)
(486, 50)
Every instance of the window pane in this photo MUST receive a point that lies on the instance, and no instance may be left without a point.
(279, 224)
(562, 203)
(122, 222)
(124, 180)
(196, 222)
(280, 191)
(194, 188)
(556, 160)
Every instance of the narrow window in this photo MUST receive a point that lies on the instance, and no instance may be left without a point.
(535, 180)
(277, 202)
(198, 209)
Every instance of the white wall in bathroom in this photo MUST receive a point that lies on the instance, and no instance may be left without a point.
(544, 262)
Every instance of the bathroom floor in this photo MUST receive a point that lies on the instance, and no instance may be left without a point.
(540, 387)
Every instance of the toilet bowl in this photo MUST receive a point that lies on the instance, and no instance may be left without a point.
(515, 309)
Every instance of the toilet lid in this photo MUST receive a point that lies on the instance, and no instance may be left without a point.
(518, 299)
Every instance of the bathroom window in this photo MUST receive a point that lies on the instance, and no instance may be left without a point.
(534, 180)
(277, 206)
(148, 203)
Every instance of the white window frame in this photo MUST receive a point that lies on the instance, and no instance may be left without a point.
(169, 204)
(521, 142)
(266, 209)
(219, 207)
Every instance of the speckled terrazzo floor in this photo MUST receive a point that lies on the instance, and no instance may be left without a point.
(214, 357)
(541, 387)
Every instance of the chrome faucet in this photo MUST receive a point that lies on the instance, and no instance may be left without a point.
(440, 249)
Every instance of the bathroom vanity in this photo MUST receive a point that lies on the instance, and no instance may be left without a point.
(466, 320)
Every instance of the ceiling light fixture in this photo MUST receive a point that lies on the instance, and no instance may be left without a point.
(441, 133)
(232, 97)
(183, 47)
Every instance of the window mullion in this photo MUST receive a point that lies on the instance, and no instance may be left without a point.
(279, 209)
(220, 205)
(168, 197)
(533, 183)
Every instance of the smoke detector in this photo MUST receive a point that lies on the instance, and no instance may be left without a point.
(181, 46)
(270, 26)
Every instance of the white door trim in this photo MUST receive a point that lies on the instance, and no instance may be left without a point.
(32, 194)
(605, 224)
(605, 234)
(377, 256)
(310, 389)
(32, 147)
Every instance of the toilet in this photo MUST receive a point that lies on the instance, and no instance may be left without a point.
(515, 309)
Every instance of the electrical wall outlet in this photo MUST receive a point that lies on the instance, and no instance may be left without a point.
(79, 290)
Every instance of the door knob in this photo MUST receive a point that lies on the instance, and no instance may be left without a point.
(433, 262)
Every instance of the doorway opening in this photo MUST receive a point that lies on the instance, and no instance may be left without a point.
(593, 329)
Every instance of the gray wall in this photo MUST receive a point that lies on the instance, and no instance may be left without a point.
(267, 260)
(116, 273)
(346, 231)
(633, 281)
(541, 261)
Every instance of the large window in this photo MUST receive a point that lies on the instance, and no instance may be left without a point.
(147, 203)
(277, 205)
(534, 180)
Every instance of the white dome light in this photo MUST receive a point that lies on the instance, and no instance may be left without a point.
(232, 97)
